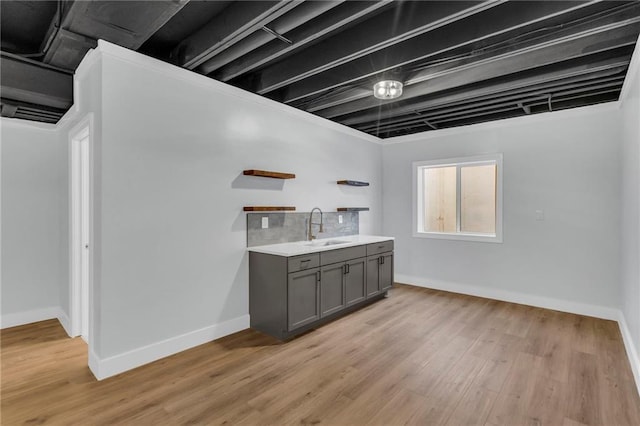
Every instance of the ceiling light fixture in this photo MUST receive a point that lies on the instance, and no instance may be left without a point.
(387, 89)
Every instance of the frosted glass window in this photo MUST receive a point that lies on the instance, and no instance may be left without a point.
(440, 199)
(478, 199)
(459, 198)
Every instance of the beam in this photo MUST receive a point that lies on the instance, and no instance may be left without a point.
(237, 21)
(128, 24)
(609, 66)
(338, 18)
(276, 29)
(571, 47)
(490, 26)
(377, 33)
(32, 82)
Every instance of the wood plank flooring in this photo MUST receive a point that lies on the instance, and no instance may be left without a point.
(420, 357)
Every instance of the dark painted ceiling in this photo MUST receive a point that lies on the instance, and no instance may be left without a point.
(461, 62)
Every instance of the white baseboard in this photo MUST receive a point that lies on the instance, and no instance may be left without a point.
(65, 322)
(514, 297)
(107, 367)
(94, 364)
(27, 317)
(632, 351)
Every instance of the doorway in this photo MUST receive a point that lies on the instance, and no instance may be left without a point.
(80, 138)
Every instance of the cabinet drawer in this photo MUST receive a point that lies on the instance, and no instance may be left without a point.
(378, 248)
(341, 255)
(306, 261)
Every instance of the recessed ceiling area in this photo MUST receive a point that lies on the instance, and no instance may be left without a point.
(460, 62)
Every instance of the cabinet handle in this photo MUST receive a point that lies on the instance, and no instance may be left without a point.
(305, 260)
(318, 276)
(346, 268)
(381, 260)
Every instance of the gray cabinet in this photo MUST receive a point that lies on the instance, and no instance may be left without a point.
(373, 276)
(379, 268)
(354, 281)
(331, 289)
(303, 298)
(342, 284)
(289, 295)
(385, 268)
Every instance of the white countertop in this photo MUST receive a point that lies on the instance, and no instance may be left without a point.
(306, 247)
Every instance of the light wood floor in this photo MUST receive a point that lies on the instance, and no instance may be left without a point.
(419, 357)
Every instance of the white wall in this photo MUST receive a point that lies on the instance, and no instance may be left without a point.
(172, 247)
(34, 222)
(630, 210)
(565, 163)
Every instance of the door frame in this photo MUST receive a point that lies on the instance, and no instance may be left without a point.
(77, 133)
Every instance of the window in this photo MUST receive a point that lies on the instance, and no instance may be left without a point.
(459, 198)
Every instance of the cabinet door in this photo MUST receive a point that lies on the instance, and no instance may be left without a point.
(303, 298)
(386, 271)
(372, 275)
(355, 286)
(331, 289)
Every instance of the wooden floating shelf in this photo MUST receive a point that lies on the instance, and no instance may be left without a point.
(352, 183)
(353, 209)
(268, 208)
(266, 173)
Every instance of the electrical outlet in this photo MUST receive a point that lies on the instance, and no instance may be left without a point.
(339, 218)
(540, 215)
(265, 222)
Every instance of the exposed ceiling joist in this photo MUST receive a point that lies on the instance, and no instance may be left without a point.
(598, 24)
(519, 97)
(609, 66)
(570, 47)
(488, 25)
(461, 62)
(342, 16)
(368, 37)
(543, 101)
(458, 63)
(29, 81)
(477, 113)
(525, 102)
(438, 70)
(275, 30)
(128, 24)
(240, 19)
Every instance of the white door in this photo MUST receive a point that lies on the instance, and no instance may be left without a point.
(84, 219)
(80, 232)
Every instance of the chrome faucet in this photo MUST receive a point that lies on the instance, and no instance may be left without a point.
(311, 223)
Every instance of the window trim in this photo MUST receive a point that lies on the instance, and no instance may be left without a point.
(418, 198)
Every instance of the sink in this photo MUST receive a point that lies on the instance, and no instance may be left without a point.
(325, 243)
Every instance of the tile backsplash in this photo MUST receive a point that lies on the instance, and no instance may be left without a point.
(289, 227)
